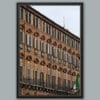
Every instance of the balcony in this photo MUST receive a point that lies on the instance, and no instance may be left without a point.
(40, 85)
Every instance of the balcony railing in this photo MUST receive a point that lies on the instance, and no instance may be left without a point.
(46, 85)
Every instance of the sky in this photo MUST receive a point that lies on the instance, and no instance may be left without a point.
(65, 16)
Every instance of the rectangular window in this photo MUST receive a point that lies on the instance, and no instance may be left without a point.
(61, 36)
(35, 76)
(28, 74)
(48, 71)
(53, 81)
(35, 73)
(21, 62)
(54, 51)
(36, 22)
(51, 31)
(64, 83)
(49, 49)
(29, 40)
(41, 78)
(75, 44)
(29, 18)
(48, 80)
(66, 39)
(79, 47)
(61, 54)
(20, 73)
(45, 27)
(59, 82)
(21, 13)
(56, 34)
(21, 37)
(35, 43)
(26, 16)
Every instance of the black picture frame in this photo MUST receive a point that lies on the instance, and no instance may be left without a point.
(81, 44)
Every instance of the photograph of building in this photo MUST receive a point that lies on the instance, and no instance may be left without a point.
(48, 62)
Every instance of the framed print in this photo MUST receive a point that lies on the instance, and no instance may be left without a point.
(49, 50)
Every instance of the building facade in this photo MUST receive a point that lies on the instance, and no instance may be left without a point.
(48, 55)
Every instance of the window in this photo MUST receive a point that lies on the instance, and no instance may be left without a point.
(64, 83)
(66, 39)
(79, 47)
(42, 68)
(51, 31)
(61, 36)
(21, 62)
(48, 71)
(49, 51)
(26, 16)
(28, 74)
(53, 81)
(56, 33)
(69, 58)
(45, 27)
(43, 46)
(42, 26)
(21, 13)
(20, 73)
(36, 22)
(75, 44)
(35, 43)
(65, 56)
(53, 51)
(59, 82)
(21, 37)
(28, 71)
(35, 73)
(79, 63)
(41, 78)
(39, 24)
(60, 54)
(48, 80)
(29, 18)
(29, 40)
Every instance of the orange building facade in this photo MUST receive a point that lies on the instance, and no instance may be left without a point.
(49, 55)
